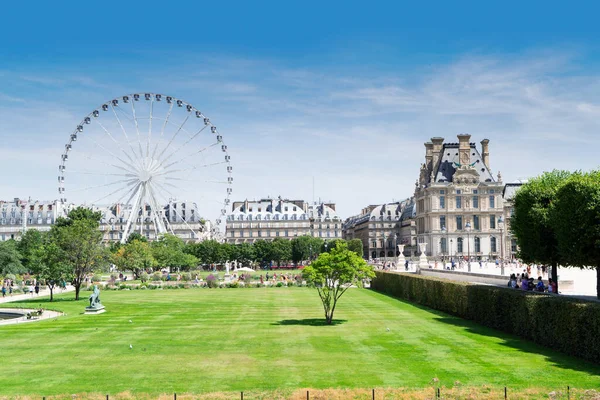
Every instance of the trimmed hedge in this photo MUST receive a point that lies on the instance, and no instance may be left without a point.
(568, 325)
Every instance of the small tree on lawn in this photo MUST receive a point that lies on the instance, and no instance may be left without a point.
(136, 256)
(334, 272)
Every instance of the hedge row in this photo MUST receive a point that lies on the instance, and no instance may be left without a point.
(568, 325)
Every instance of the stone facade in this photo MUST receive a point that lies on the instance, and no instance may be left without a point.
(459, 203)
(381, 228)
(272, 218)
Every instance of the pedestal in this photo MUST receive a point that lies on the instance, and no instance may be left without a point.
(98, 309)
(227, 278)
(422, 258)
(401, 260)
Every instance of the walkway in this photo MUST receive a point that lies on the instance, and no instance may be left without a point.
(43, 293)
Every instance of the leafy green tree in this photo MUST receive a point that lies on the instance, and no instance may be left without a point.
(136, 256)
(207, 251)
(281, 250)
(575, 217)
(329, 245)
(227, 252)
(244, 253)
(356, 245)
(334, 272)
(77, 242)
(31, 248)
(52, 269)
(168, 251)
(263, 252)
(531, 224)
(136, 236)
(10, 258)
(301, 248)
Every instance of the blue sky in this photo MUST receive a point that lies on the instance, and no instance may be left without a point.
(345, 92)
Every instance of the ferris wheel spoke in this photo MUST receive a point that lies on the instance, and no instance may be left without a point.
(173, 137)
(137, 129)
(122, 127)
(104, 185)
(189, 155)
(127, 188)
(114, 140)
(184, 220)
(191, 168)
(133, 169)
(149, 129)
(99, 173)
(184, 144)
(162, 131)
(106, 163)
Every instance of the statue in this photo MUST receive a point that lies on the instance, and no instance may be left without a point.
(95, 297)
(95, 306)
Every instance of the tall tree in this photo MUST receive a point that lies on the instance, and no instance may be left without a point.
(169, 252)
(31, 248)
(263, 252)
(10, 258)
(575, 216)
(356, 246)
(281, 250)
(52, 269)
(136, 236)
(245, 253)
(531, 224)
(77, 243)
(334, 272)
(136, 256)
(301, 248)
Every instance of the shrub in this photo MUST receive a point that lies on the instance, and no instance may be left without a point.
(144, 277)
(96, 278)
(142, 287)
(211, 281)
(12, 277)
(279, 284)
(233, 285)
(562, 323)
(157, 277)
(186, 277)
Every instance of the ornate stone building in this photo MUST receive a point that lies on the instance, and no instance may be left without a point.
(272, 218)
(459, 203)
(381, 228)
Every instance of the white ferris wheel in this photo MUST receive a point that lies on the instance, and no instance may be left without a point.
(138, 154)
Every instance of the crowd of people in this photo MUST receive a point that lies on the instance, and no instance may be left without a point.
(527, 283)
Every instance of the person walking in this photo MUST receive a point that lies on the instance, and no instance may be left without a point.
(3, 291)
(37, 288)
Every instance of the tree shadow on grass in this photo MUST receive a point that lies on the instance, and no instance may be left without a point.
(560, 360)
(309, 322)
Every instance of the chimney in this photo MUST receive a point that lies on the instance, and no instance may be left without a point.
(485, 152)
(464, 149)
(437, 148)
(428, 155)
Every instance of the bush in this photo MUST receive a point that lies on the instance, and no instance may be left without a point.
(144, 277)
(211, 281)
(96, 278)
(12, 277)
(157, 277)
(233, 285)
(279, 284)
(568, 325)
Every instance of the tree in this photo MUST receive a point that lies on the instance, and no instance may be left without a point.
(356, 246)
(207, 251)
(334, 272)
(169, 252)
(10, 258)
(136, 256)
(575, 216)
(263, 252)
(281, 250)
(31, 248)
(329, 245)
(245, 253)
(301, 248)
(136, 236)
(76, 242)
(531, 224)
(52, 269)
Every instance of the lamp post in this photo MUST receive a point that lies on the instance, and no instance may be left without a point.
(501, 226)
(468, 229)
(444, 230)
(396, 247)
(384, 251)
(450, 254)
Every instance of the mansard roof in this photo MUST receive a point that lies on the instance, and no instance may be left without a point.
(449, 162)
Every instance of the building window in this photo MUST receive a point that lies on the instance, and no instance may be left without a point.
(492, 222)
(513, 245)
(232, 234)
(457, 191)
(475, 201)
(285, 233)
(459, 245)
(459, 222)
(277, 233)
(442, 191)
(476, 222)
(259, 233)
(443, 245)
(477, 244)
(493, 245)
(442, 221)
(442, 202)
(458, 202)
(475, 191)
(250, 234)
(241, 233)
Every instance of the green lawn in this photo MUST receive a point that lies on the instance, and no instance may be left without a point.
(206, 340)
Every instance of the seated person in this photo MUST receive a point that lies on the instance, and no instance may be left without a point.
(539, 287)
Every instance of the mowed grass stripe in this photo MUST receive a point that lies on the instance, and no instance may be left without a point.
(202, 340)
